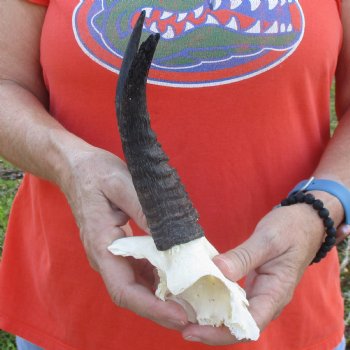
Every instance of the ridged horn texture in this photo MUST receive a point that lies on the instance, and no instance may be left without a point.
(170, 214)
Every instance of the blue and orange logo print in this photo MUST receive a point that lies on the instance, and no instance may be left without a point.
(203, 43)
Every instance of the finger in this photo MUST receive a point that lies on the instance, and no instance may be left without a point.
(269, 289)
(122, 220)
(125, 292)
(145, 274)
(209, 335)
(263, 309)
(122, 193)
(127, 229)
(343, 232)
(96, 240)
(238, 262)
(99, 216)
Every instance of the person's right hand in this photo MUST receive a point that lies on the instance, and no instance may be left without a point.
(101, 194)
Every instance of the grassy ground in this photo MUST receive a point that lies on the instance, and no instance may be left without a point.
(10, 179)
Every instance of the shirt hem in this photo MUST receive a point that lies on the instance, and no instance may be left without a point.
(42, 339)
(32, 334)
(327, 344)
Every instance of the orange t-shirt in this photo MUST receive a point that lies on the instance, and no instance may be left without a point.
(239, 98)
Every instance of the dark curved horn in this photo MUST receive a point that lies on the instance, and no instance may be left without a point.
(170, 214)
(129, 55)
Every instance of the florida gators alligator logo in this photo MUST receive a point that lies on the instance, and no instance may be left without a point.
(204, 43)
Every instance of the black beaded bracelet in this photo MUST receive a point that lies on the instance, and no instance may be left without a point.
(323, 213)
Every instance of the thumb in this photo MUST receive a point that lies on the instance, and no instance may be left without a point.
(133, 209)
(124, 197)
(248, 256)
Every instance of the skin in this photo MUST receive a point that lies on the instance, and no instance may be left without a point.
(102, 197)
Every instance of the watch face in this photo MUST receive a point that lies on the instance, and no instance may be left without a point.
(202, 43)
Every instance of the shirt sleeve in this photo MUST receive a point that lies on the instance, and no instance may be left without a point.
(40, 2)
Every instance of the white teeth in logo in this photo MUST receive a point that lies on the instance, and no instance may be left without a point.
(148, 11)
(211, 20)
(254, 4)
(216, 4)
(166, 14)
(289, 28)
(283, 2)
(154, 28)
(181, 16)
(272, 4)
(188, 26)
(198, 11)
(232, 24)
(283, 28)
(235, 3)
(273, 29)
(169, 34)
(255, 29)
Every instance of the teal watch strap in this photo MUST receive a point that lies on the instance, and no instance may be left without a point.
(332, 187)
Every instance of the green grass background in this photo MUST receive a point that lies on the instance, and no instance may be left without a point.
(8, 189)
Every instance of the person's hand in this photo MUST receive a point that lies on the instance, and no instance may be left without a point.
(102, 197)
(274, 258)
(343, 232)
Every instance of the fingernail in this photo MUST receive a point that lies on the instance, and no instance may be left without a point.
(178, 322)
(346, 229)
(221, 262)
(192, 338)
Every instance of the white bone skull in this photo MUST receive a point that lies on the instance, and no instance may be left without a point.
(188, 276)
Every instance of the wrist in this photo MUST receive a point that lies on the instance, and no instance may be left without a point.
(332, 192)
(332, 203)
(65, 151)
(302, 196)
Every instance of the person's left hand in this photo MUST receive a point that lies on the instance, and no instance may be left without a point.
(274, 258)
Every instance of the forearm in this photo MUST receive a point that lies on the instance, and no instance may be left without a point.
(31, 138)
(336, 158)
(334, 165)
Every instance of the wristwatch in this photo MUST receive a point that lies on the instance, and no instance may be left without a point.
(332, 187)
